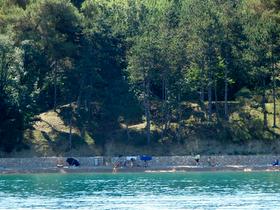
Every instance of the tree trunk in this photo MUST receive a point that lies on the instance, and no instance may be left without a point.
(263, 106)
(216, 100)
(209, 99)
(227, 52)
(80, 92)
(202, 89)
(70, 126)
(127, 132)
(2, 70)
(4, 74)
(167, 115)
(55, 88)
(163, 107)
(274, 98)
(179, 117)
(201, 98)
(147, 108)
(226, 95)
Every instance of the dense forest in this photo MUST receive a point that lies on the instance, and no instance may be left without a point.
(146, 73)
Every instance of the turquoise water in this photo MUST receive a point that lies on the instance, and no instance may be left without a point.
(220, 190)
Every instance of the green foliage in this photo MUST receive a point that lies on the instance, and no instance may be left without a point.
(243, 93)
(11, 101)
(115, 60)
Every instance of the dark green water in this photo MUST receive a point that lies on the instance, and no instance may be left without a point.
(221, 190)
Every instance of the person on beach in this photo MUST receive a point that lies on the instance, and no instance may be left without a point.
(145, 159)
(73, 162)
(275, 163)
(119, 163)
(197, 159)
(116, 166)
(59, 163)
(114, 169)
(209, 161)
(133, 162)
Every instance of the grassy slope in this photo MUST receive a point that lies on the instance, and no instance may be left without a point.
(50, 137)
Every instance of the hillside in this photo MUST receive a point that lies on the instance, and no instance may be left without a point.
(50, 137)
(126, 77)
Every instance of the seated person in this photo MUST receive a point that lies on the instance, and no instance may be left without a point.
(72, 162)
(197, 159)
(145, 159)
(60, 163)
(275, 163)
(210, 161)
(133, 162)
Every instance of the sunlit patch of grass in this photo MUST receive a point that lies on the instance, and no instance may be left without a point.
(38, 137)
(88, 139)
(50, 121)
(139, 126)
(142, 126)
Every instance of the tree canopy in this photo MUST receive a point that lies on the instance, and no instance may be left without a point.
(178, 66)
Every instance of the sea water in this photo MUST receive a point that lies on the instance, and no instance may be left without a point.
(215, 190)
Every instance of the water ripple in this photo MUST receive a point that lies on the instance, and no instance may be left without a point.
(141, 191)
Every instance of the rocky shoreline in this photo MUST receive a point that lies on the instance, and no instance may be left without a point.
(141, 169)
(100, 164)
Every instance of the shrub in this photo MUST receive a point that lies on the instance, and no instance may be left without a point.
(243, 94)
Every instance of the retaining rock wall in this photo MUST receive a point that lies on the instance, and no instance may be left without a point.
(225, 160)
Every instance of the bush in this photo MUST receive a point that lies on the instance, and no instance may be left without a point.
(243, 94)
(11, 126)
